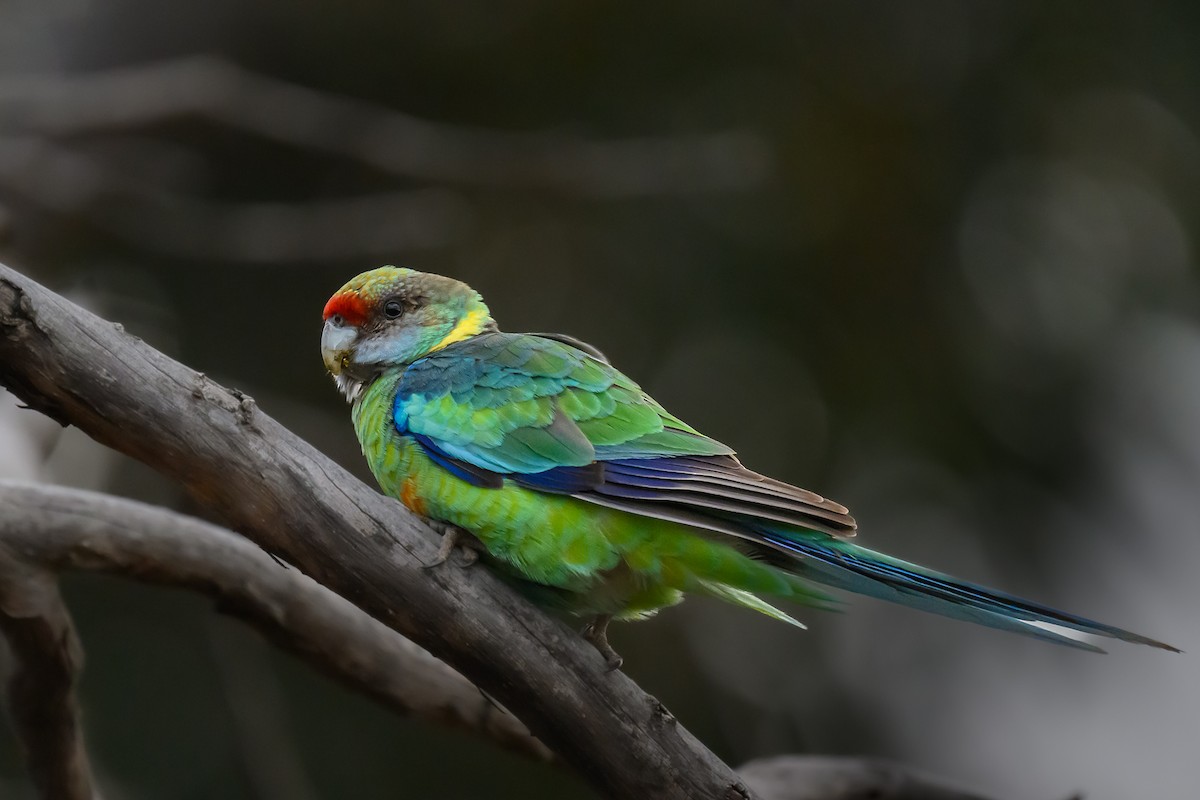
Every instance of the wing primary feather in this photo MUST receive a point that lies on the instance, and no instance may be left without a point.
(562, 480)
(727, 468)
(753, 496)
(715, 503)
(681, 515)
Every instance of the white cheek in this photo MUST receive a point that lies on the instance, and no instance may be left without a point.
(391, 349)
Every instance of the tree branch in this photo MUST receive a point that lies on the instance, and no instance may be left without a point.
(278, 491)
(46, 529)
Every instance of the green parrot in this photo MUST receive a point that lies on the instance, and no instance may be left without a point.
(586, 493)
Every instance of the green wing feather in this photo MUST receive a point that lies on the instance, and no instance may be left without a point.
(521, 403)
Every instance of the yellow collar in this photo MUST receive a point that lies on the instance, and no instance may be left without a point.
(473, 323)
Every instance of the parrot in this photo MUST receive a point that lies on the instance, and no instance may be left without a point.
(585, 493)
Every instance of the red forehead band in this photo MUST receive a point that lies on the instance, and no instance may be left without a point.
(350, 306)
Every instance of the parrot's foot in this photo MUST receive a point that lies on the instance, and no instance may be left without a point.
(596, 632)
(454, 537)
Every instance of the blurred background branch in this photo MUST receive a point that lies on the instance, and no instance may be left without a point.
(147, 215)
(47, 660)
(141, 202)
(128, 99)
(834, 778)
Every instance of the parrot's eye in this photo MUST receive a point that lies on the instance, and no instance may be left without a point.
(392, 309)
(337, 320)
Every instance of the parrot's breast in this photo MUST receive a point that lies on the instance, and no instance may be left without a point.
(551, 539)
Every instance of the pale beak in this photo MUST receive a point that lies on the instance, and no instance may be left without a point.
(336, 344)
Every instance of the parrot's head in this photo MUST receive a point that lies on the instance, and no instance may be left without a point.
(390, 317)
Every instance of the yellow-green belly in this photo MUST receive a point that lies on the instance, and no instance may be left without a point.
(607, 561)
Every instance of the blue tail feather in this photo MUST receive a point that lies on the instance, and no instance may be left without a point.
(847, 566)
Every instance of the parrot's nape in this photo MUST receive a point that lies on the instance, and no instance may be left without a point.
(586, 493)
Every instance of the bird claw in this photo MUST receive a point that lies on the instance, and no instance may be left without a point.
(596, 632)
(455, 537)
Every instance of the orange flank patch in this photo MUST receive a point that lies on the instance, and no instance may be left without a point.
(408, 496)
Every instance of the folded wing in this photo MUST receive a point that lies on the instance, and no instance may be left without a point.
(552, 417)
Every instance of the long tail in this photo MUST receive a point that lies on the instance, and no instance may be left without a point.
(843, 565)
